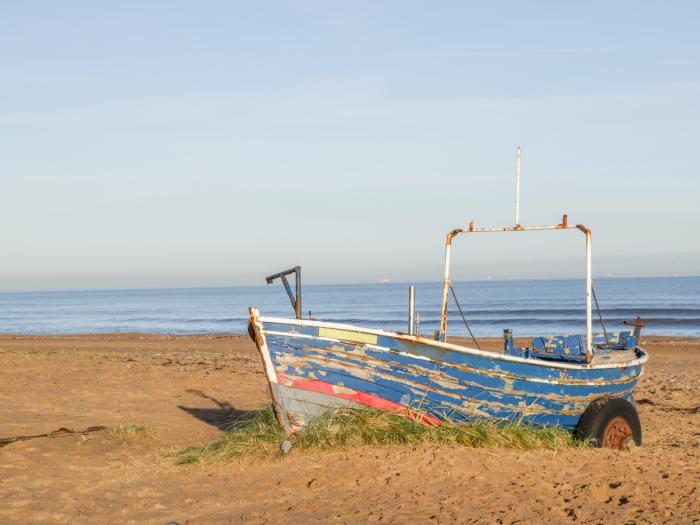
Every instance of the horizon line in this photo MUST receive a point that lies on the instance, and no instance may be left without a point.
(374, 283)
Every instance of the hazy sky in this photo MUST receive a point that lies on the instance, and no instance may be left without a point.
(211, 143)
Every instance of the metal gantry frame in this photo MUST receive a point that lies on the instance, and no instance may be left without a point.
(564, 225)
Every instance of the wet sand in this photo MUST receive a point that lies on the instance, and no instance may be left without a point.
(185, 389)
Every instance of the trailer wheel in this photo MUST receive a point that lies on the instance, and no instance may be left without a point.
(611, 422)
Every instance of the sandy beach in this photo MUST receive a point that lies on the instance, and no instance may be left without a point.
(186, 389)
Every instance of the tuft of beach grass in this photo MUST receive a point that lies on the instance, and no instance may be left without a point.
(262, 435)
(258, 435)
(130, 429)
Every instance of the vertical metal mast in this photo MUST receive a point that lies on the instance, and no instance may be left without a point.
(412, 310)
(517, 186)
(589, 308)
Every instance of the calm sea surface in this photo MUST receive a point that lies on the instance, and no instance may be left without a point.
(670, 306)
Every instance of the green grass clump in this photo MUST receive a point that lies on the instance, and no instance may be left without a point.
(259, 434)
(130, 429)
(262, 435)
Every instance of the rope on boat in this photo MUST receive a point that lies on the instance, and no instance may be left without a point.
(464, 318)
(600, 316)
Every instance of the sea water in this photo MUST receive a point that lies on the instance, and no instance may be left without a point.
(670, 306)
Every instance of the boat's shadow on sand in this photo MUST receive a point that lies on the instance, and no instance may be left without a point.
(223, 417)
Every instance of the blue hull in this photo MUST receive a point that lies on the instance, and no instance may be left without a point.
(314, 366)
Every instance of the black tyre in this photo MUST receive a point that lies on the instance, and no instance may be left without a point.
(611, 422)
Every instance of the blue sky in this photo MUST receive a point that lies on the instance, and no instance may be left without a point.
(210, 143)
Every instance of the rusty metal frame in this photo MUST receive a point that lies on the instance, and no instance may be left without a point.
(294, 298)
(564, 225)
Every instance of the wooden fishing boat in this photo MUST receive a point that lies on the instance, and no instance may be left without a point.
(582, 382)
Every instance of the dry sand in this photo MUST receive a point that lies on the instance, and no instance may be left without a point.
(185, 389)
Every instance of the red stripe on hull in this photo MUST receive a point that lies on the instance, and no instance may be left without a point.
(362, 398)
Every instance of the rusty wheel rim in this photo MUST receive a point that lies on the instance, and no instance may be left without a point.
(617, 434)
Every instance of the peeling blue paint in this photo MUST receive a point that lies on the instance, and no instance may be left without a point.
(461, 385)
